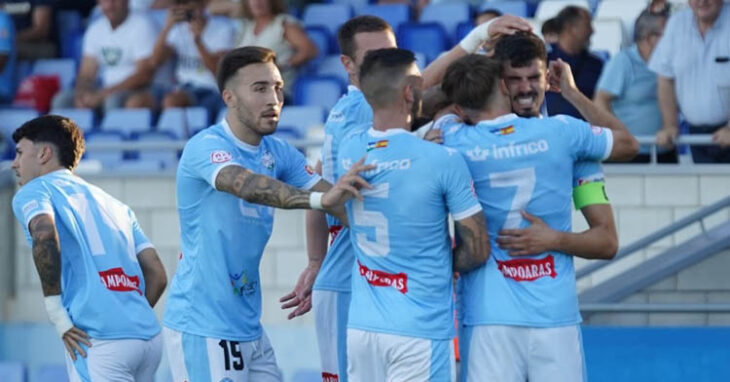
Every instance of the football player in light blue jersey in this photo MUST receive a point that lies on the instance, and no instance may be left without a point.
(521, 310)
(100, 274)
(401, 315)
(230, 178)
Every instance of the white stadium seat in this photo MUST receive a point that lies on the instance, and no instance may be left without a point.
(625, 11)
(550, 8)
(608, 35)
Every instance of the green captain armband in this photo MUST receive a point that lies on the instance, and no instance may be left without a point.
(590, 194)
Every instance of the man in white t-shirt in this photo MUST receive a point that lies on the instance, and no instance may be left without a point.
(116, 49)
(198, 42)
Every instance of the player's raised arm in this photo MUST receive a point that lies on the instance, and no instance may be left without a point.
(47, 259)
(560, 79)
(153, 271)
(473, 248)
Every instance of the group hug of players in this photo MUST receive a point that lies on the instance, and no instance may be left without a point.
(403, 151)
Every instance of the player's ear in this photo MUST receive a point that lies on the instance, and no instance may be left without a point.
(503, 87)
(229, 98)
(45, 154)
(349, 64)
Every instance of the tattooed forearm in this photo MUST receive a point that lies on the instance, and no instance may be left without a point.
(46, 253)
(260, 189)
(474, 248)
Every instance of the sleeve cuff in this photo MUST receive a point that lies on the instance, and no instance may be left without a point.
(36, 213)
(218, 169)
(609, 144)
(466, 213)
(142, 247)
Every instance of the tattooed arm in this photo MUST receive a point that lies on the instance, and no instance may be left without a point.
(47, 258)
(473, 248)
(260, 189)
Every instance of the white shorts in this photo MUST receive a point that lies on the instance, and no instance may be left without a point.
(388, 357)
(330, 321)
(200, 359)
(117, 360)
(520, 354)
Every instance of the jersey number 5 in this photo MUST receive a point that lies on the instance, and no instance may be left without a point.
(524, 180)
(380, 247)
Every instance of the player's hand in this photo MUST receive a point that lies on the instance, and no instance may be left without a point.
(667, 136)
(348, 186)
(507, 24)
(301, 296)
(533, 240)
(72, 340)
(560, 77)
(435, 136)
(722, 137)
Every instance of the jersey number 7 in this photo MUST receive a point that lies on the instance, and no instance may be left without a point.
(524, 180)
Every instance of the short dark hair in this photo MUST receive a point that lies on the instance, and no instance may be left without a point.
(649, 23)
(60, 131)
(381, 73)
(360, 24)
(520, 49)
(470, 80)
(550, 25)
(569, 15)
(239, 58)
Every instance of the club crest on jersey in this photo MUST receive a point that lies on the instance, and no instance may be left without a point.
(377, 145)
(377, 278)
(528, 269)
(116, 280)
(329, 377)
(267, 160)
(504, 130)
(220, 156)
(241, 285)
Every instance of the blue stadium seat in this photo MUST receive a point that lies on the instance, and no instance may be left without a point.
(12, 372)
(604, 55)
(307, 375)
(23, 68)
(317, 91)
(127, 120)
(321, 37)
(353, 3)
(288, 133)
(71, 44)
(181, 122)
(64, 68)
(166, 158)
(138, 166)
(332, 66)
(69, 21)
(463, 29)
(55, 373)
(513, 7)
(427, 38)
(109, 158)
(301, 117)
(11, 119)
(449, 15)
(330, 16)
(84, 118)
(221, 115)
(158, 16)
(394, 14)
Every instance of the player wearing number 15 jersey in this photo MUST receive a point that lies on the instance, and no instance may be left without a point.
(521, 313)
(99, 273)
(401, 313)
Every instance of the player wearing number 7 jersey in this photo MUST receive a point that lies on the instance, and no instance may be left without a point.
(99, 273)
(521, 313)
(401, 313)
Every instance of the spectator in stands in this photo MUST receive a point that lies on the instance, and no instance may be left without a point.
(574, 24)
(227, 8)
(7, 58)
(693, 63)
(198, 42)
(486, 15)
(265, 23)
(550, 31)
(33, 21)
(628, 88)
(117, 48)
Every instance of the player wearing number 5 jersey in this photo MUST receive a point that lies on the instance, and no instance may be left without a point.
(521, 309)
(99, 273)
(401, 313)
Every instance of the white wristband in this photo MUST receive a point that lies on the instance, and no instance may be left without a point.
(58, 315)
(478, 36)
(315, 200)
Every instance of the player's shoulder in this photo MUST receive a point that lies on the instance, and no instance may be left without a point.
(562, 121)
(211, 138)
(275, 144)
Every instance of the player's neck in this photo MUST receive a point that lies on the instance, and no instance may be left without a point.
(491, 113)
(242, 132)
(386, 119)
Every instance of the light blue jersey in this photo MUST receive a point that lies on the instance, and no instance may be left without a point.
(351, 113)
(102, 285)
(216, 290)
(524, 164)
(402, 277)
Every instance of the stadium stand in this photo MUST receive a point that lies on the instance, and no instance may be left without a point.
(517, 7)
(394, 14)
(317, 91)
(64, 68)
(448, 15)
(625, 11)
(550, 8)
(181, 122)
(83, 117)
(127, 121)
(429, 39)
(332, 66)
(608, 35)
(331, 16)
(302, 118)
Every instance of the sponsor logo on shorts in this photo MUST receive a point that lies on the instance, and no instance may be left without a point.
(334, 232)
(116, 280)
(528, 269)
(377, 278)
(220, 157)
(329, 377)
